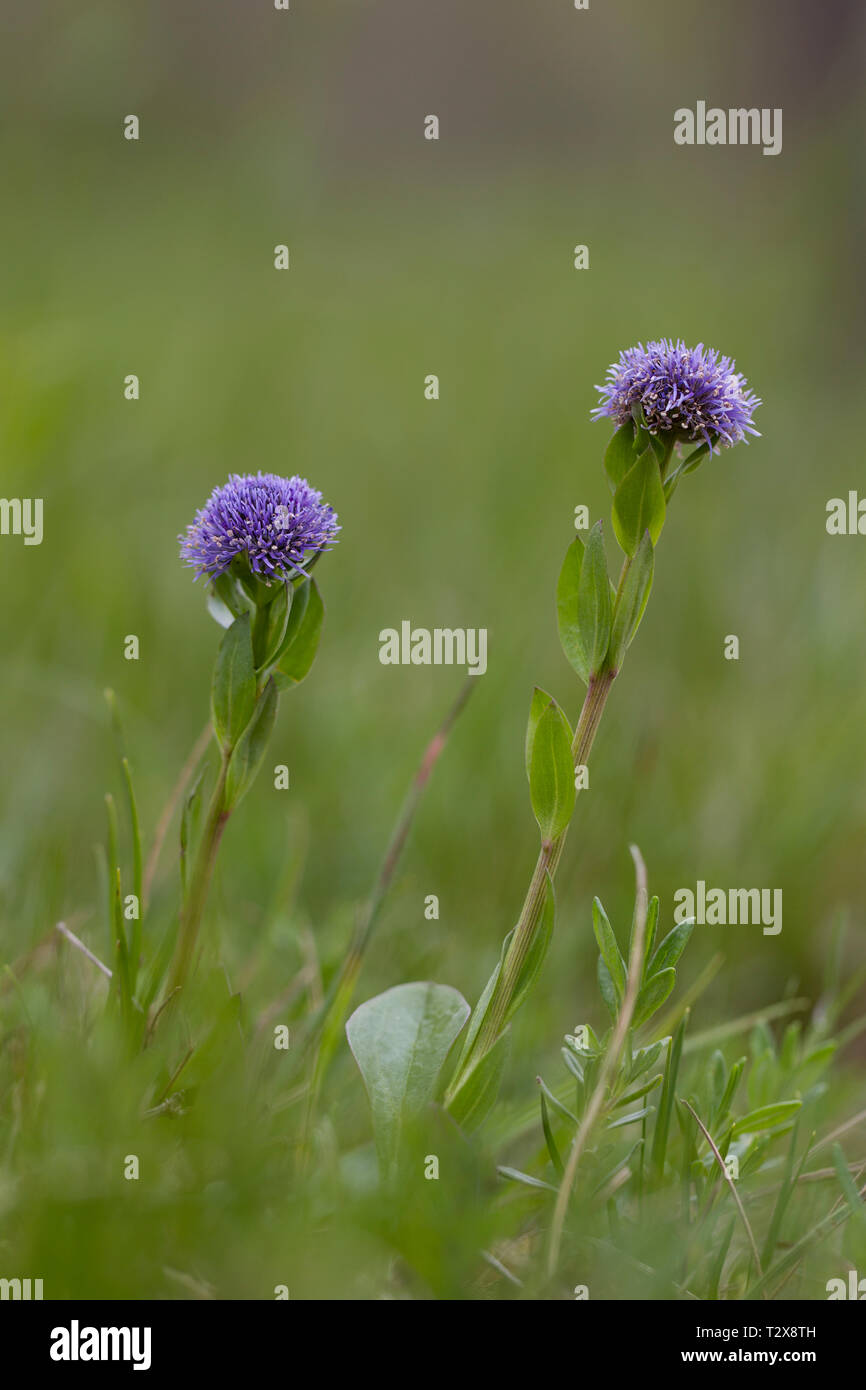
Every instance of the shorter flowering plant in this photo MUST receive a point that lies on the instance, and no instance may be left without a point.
(256, 540)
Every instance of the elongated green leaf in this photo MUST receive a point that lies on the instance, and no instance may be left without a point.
(567, 612)
(551, 773)
(549, 1140)
(671, 948)
(479, 1013)
(695, 459)
(555, 1103)
(652, 921)
(812, 1065)
(298, 609)
(790, 1048)
(279, 611)
(644, 1058)
(607, 944)
(304, 628)
(639, 503)
(717, 1076)
(583, 604)
(135, 938)
(767, 1117)
(689, 464)
(639, 1091)
(233, 692)
(659, 448)
(632, 602)
(730, 1090)
(400, 1040)
(540, 702)
(663, 1120)
(632, 1118)
(641, 435)
(761, 1041)
(575, 1066)
(472, 1103)
(121, 946)
(112, 856)
(652, 995)
(593, 602)
(607, 988)
(515, 1175)
(619, 454)
(251, 747)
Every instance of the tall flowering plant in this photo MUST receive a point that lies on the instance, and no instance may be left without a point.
(673, 407)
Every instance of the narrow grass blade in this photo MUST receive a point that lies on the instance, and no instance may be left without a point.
(552, 1149)
(660, 1134)
(137, 873)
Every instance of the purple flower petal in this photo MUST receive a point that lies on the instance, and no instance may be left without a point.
(276, 521)
(694, 391)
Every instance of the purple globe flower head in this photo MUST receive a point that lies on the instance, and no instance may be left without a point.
(693, 392)
(276, 522)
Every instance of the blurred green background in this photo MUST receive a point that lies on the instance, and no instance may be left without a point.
(411, 257)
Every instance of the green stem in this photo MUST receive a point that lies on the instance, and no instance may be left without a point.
(199, 882)
(533, 906)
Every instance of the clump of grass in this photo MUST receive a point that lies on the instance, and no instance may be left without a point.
(693, 1171)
